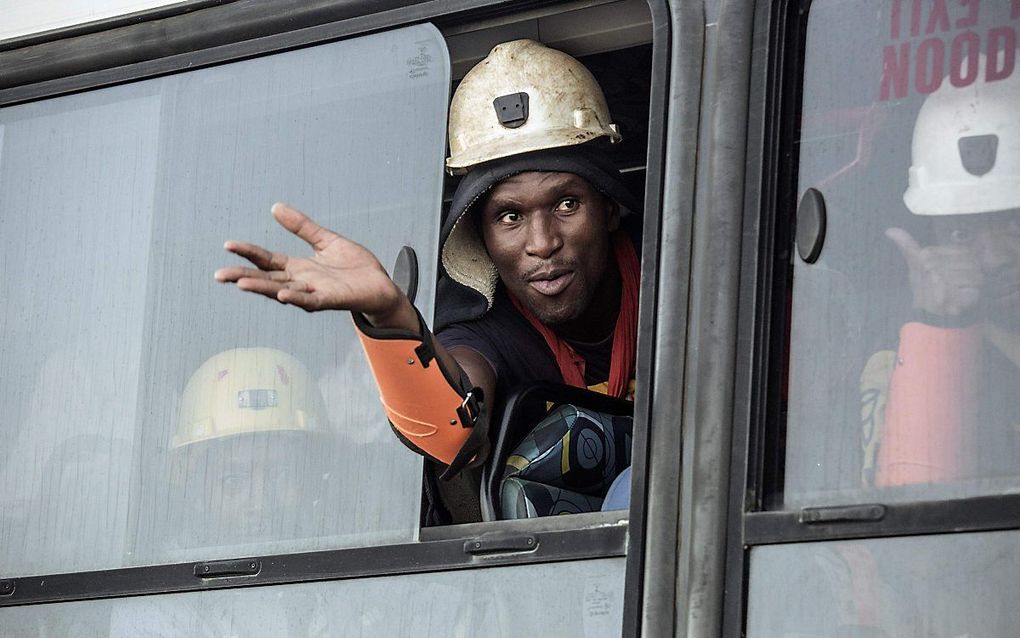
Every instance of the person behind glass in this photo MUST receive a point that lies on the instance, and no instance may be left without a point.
(537, 282)
(252, 456)
(953, 392)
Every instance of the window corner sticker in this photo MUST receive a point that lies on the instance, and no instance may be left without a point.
(938, 40)
(418, 65)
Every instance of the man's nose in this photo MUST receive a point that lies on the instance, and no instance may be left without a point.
(543, 237)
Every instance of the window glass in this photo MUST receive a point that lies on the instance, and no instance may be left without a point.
(151, 414)
(582, 598)
(923, 587)
(905, 334)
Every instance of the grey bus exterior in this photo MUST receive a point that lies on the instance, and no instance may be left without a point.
(771, 142)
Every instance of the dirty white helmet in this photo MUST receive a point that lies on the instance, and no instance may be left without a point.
(247, 390)
(524, 97)
(966, 148)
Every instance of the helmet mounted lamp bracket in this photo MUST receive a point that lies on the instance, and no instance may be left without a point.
(977, 153)
(511, 109)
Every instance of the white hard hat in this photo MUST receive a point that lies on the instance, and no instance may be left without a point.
(524, 97)
(247, 390)
(966, 148)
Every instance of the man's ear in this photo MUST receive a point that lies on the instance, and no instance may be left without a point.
(612, 215)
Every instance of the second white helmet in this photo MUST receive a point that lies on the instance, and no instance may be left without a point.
(966, 148)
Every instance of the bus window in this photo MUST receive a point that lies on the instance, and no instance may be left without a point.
(149, 415)
(904, 335)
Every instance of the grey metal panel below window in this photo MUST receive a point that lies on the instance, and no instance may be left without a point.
(934, 586)
(582, 598)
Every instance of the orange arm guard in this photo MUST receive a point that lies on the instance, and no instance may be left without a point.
(931, 406)
(435, 413)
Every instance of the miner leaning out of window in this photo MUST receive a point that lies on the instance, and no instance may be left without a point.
(539, 282)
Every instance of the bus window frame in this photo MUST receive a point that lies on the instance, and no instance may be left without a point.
(70, 64)
(756, 470)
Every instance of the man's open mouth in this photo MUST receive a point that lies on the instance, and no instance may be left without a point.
(551, 282)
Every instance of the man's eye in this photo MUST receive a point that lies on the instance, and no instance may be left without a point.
(567, 204)
(508, 217)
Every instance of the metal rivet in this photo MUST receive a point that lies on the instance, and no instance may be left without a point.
(453, 421)
(410, 361)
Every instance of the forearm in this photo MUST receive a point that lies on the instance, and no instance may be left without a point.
(433, 405)
(929, 415)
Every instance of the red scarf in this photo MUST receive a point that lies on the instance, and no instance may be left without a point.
(621, 366)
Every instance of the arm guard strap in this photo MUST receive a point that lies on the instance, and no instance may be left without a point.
(434, 412)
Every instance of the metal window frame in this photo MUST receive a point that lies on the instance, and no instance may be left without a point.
(156, 42)
(758, 425)
(499, 550)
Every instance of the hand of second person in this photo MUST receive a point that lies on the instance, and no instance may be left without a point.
(340, 275)
(945, 280)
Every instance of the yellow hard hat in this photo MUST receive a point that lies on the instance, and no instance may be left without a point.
(247, 390)
(524, 97)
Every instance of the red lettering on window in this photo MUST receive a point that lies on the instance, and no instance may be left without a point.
(894, 19)
(972, 14)
(939, 17)
(915, 19)
(963, 59)
(1001, 53)
(895, 71)
(931, 58)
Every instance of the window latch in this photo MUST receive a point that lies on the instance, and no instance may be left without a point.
(228, 568)
(498, 543)
(842, 514)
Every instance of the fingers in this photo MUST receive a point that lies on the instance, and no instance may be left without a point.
(303, 226)
(262, 258)
(298, 297)
(909, 248)
(233, 274)
(297, 293)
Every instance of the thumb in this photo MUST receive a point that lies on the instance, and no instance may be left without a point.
(909, 248)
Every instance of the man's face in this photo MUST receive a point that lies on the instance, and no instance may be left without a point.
(992, 241)
(249, 488)
(548, 235)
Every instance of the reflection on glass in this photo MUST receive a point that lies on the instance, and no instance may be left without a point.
(253, 456)
(114, 215)
(583, 599)
(905, 335)
(920, 587)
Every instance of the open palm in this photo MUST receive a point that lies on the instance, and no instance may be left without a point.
(340, 275)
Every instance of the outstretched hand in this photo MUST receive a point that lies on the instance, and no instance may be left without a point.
(340, 275)
(945, 280)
